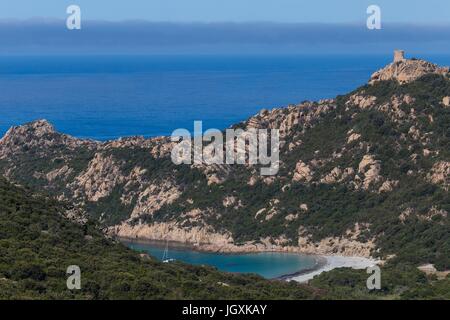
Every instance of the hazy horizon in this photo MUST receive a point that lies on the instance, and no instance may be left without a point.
(49, 36)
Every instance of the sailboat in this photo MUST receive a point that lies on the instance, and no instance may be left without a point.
(165, 258)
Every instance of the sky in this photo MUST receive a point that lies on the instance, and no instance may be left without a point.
(293, 11)
(223, 26)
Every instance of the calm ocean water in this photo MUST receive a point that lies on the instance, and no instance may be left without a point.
(268, 264)
(105, 97)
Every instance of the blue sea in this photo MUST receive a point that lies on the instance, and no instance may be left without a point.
(270, 265)
(105, 97)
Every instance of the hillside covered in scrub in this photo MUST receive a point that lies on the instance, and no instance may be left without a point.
(38, 243)
(365, 174)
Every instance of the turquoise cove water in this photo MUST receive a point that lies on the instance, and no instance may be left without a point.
(267, 264)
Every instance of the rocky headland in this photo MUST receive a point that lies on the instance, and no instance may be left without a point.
(346, 165)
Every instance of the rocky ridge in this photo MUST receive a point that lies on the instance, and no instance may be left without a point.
(345, 164)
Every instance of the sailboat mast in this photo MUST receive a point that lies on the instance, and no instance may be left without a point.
(166, 252)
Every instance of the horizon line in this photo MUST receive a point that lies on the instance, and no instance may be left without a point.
(42, 19)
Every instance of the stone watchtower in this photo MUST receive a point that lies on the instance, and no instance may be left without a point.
(399, 55)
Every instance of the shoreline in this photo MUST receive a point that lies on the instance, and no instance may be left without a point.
(321, 262)
(334, 262)
(324, 263)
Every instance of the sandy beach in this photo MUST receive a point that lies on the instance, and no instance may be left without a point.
(333, 262)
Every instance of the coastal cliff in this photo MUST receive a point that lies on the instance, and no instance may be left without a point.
(205, 239)
(360, 175)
